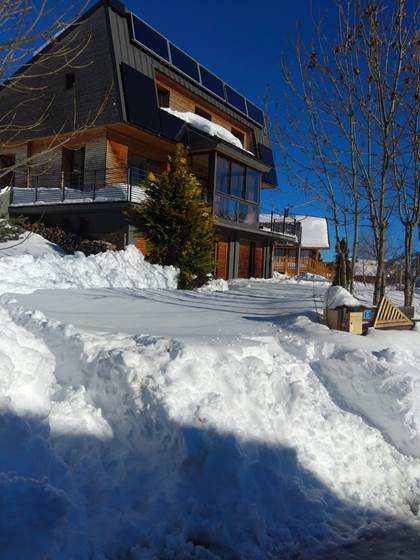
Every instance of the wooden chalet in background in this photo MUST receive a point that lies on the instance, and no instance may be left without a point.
(116, 95)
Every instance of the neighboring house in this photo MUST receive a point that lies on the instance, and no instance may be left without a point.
(156, 95)
(304, 256)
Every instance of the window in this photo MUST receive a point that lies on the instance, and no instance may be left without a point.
(225, 208)
(73, 163)
(239, 135)
(252, 187)
(223, 175)
(163, 96)
(247, 214)
(5, 162)
(199, 165)
(202, 113)
(70, 79)
(237, 180)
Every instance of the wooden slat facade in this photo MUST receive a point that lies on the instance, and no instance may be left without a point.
(183, 100)
(141, 244)
(222, 256)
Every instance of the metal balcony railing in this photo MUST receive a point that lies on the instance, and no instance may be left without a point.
(91, 186)
(287, 226)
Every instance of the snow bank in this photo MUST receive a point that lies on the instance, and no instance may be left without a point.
(215, 285)
(29, 244)
(207, 126)
(338, 296)
(309, 277)
(141, 447)
(112, 269)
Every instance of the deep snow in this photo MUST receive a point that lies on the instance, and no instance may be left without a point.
(150, 423)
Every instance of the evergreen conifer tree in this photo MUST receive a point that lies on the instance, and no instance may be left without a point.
(177, 223)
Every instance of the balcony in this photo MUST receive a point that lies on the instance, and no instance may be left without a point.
(92, 187)
(288, 227)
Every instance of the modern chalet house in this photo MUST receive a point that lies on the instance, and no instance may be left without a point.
(103, 121)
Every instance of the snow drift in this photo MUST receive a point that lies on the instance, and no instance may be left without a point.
(337, 296)
(120, 269)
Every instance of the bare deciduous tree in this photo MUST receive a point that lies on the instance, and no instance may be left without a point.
(348, 117)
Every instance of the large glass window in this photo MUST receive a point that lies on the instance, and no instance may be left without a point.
(247, 214)
(237, 180)
(199, 164)
(223, 175)
(252, 185)
(225, 208)
(239, 192)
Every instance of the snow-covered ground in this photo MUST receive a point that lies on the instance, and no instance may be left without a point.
(220, 424)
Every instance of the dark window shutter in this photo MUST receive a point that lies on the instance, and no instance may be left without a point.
(140, 99)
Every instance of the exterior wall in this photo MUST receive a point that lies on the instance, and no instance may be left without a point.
(222, 258)
(183, 100)
(241, 257)
(39, 91)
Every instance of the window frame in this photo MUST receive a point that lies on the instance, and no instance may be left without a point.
(229, 194)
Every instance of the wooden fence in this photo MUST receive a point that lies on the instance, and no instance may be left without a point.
(288, 265)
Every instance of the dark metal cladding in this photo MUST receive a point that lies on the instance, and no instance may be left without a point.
(184, 63)
(140, 98)
(235, 99)
(150, 38)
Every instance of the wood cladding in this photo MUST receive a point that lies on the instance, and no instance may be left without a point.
(141, 245)
(116, 162)
(244, 258)
(222, 254)
(182, 100)
(258, 260)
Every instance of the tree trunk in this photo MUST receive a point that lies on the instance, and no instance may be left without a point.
(408, 265)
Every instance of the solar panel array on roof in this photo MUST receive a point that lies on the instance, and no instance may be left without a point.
(235, 99)
(255, 113)
(184, 63)
(152, 40)
(212, 82)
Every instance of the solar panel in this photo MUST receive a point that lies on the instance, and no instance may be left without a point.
(184, 63)
(255, 113)
(150, 38)
(235, 99)
(211, 82)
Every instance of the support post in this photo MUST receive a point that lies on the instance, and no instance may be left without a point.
(298, 258)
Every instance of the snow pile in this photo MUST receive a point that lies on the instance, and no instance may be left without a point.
(337, 296)
(112, 269)
(29, 244)
(215, 285)
(141, 447)
(206, 126)
(309, 277)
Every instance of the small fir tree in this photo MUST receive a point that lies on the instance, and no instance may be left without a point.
(178, 225)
